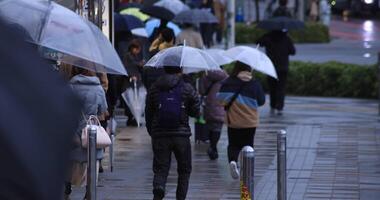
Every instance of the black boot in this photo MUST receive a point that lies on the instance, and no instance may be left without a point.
(159, 193)
(212, 153)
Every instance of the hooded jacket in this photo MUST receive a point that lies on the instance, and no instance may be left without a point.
(191, 104)
(213, 110)
(243, 112)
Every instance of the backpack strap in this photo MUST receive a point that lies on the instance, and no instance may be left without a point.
(236, 94)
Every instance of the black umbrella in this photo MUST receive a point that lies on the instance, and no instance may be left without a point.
(39, 116)
(280, 23)
(123, 6)
(158, 12)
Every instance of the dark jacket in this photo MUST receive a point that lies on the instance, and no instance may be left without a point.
(282, 11)
(191, 103)
(243, 112)
(213, 110)
(278, 47)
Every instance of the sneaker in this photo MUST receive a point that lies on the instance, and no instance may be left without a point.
(212, 153)
(159, 193)
(234, 170)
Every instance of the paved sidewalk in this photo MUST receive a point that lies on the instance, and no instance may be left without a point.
(333, 153)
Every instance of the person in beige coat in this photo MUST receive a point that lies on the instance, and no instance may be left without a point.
(190, 37)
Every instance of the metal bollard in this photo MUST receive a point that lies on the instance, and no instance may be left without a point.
(281, 165)
(247, 163)
(91, 164)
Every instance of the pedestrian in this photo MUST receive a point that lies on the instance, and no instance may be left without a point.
(133, 63)
(241, 96)
(214, 113)
(88, 88)
(190, 37)
(220, 7)
(314, 10)
(207, 29)
(165, 40)
(278, 47)
(170, 102)
(282, 10)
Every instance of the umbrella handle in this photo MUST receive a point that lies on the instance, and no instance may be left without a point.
(135, 89)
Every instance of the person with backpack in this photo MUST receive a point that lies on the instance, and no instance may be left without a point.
(170, 102)
(214, 113)
(241, 96)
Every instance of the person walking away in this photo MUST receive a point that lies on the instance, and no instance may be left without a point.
(164, 40)
(241, 96)
(314, 10)
(89, 90)
(134, 66)
(220, 7)
(170, 102)
(278, 47)
(282, 10)
(210, 85)
(189, 35)
(207, 29)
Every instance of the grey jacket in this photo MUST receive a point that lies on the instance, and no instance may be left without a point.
(91, 93)
(213, 110)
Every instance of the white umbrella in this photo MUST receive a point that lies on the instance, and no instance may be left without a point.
(58, 29)
(135, 100)
(256, 59)
(189, 58)
(219, 56)
(176, 6)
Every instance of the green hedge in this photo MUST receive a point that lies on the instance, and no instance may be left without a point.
(331, 79)
(312, 33)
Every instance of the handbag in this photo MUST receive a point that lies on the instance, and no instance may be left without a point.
(103, 140)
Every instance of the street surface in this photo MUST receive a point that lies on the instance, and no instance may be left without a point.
(333, 153)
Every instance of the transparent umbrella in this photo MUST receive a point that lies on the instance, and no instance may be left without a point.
(135, 100)
(219, 56)
(189, 58)
(256, 59)
(55, 28)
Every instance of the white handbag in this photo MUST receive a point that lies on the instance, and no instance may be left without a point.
(103, 140)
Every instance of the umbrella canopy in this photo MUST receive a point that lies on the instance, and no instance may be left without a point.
(135, 12)
(40, 116)
(281, 23)
(256, 59)
(189, 58)
(130, 23)
(176, 6)
(153, 23)
(195, 16)
(158, 12)
(219, 56)
(78, 41)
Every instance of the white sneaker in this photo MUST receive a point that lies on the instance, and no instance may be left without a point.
(234, 170)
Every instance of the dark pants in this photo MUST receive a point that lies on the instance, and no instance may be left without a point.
(277, 90)
(162, 151)
(237, 139)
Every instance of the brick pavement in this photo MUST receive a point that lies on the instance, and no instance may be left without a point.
(333, 153)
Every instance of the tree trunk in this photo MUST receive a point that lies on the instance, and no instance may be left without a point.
(257, 10)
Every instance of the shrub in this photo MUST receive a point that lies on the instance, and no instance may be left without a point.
(312, 33)
(331, 79)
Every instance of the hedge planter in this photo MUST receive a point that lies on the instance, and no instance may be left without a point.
(312, 33)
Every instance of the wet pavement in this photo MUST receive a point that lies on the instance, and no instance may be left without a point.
(333, 153)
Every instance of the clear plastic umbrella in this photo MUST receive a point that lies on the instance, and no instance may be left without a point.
(256, 59)
(135, 100)
(219, 56)
(189, 58)
(176, 6)
(56, 28)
